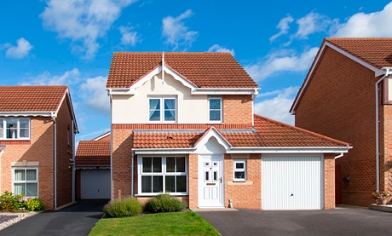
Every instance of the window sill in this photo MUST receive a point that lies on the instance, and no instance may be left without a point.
(238, 182)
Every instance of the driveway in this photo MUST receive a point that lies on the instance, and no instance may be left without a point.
(77, 220)
(340, 221)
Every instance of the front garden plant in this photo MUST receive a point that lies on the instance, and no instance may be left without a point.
(10, 202)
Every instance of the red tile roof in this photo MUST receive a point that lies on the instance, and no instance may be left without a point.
(31, 98)
(267, 133)
(93, 153)
(376, 51)
(203, 69)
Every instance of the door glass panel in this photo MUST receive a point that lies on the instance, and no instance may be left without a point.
(215, 176)
(206, 164)
(207, 175)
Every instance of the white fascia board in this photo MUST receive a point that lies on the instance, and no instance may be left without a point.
(377, 71)
(226, 91)
(26, 114)
(237, 150)
(150, 151)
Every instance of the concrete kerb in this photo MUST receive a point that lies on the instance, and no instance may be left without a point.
(386, 208)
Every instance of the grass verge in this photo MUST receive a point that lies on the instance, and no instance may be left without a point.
(176, 223)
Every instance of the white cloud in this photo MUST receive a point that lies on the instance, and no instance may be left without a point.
(283, 26)
(129, 37)
(313, 23)
(175, 31)
(82, 20)
(218, 48)
(71, 77)
(281, 61)
(376, 24)
(93, 92)
(19, 51)
(278, 106)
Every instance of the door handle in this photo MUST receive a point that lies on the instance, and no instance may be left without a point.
(220, 179)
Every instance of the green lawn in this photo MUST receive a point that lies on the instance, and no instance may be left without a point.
(178, 223)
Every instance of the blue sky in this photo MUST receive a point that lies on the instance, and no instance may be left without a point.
(57, 42)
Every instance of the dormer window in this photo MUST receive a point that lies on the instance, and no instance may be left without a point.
(215, 109)
(14, 128)
(162, 109)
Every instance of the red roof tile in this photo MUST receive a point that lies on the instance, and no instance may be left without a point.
(267, 133)
(31, 98)
(376, 51)
(203, 69)
(93, 153)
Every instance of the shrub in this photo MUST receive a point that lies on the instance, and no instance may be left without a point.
(164, 203)
(10, 202)
(34, 204)
(123, 208)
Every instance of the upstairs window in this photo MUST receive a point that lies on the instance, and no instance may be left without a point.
(14, 128)
(162, 109)
(215, 109)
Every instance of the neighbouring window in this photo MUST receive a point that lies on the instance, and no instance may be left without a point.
(162, 109)
(162, 175)
(215, 108)
(25, 181)
(239, 170)
(13, 128)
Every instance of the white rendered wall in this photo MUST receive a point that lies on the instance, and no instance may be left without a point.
(135, 108)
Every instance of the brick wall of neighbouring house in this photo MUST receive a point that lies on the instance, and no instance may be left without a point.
(386, 149)
(64, 153)
(243, 194)
(121, 161)
(237, 109)
(339, 102)
(38, 149)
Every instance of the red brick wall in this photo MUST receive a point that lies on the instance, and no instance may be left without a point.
(329, 181)
(339, 102)
(237, 109)
(38, 149)
(386, 149)
(193, 180)
(64, 153)
(244, 194)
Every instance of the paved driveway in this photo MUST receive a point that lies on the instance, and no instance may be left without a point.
(340, 221)
(77, 219)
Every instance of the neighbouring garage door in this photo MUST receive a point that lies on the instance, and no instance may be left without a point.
(292, 182)
(95, 184)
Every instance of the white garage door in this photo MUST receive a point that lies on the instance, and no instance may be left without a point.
(292, 182)
(95, 184)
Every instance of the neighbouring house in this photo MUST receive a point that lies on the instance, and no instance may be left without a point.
(183, 123)
(92, 163)
(347, 95)
(37, 133)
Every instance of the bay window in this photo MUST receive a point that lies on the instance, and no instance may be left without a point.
(162, 175)
(14, 128)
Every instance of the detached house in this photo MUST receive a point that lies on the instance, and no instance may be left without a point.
(183, 123)
(37, 129)
(347, 95)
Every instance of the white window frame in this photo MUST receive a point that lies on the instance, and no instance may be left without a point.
(235, 169)
(162, 110)
(220, 109)
(163, 173)
(25, 181)
(4, 130)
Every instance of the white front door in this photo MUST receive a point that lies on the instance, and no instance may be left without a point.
(211, 181)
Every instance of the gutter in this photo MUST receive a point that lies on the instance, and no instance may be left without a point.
(132, 173)
(111, 145)
(53, 115)
(388, 71)
(1, 153)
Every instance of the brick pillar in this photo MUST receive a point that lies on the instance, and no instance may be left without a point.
(193, 180)
(329, 181)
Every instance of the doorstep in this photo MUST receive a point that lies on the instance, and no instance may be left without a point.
(386, 208)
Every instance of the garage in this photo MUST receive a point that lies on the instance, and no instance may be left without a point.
(95, 184)
(292, 182)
